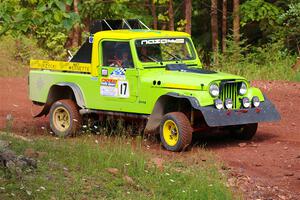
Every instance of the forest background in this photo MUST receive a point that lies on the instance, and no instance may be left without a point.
(259, 39)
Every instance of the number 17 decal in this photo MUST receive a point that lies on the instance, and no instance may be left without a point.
(123, 89)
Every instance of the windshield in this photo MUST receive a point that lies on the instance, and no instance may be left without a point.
(164, 49)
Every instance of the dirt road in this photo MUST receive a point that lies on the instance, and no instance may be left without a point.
(268, 167)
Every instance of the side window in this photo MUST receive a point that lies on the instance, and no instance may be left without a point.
(117, 54)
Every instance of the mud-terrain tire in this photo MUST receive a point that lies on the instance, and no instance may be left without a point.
(175, 131)
(245, 132)
(65, 119)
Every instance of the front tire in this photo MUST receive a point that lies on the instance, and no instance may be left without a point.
(65, 119)
(175, 131)
(245, 132)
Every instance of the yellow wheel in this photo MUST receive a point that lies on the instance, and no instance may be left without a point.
(175, 131)
(61, 119)
(65, 119)
(170, 133)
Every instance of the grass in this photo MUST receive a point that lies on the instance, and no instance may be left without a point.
(9, 66)
(273, 70)
(15, 54)
(271, 61)
(77, 169)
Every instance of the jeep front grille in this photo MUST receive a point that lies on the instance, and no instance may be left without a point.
(230, 90)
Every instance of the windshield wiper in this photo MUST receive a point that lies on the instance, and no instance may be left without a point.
(174, 56)
(150, 58)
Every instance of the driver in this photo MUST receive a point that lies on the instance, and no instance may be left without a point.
(123, 59)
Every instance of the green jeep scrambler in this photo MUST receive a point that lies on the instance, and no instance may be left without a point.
(125, 69)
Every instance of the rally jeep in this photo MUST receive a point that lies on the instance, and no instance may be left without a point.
(125, 69)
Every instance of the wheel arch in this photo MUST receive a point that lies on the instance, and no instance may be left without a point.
(62, 90)
(169, 102)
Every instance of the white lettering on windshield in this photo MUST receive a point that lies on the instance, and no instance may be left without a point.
(162, 41)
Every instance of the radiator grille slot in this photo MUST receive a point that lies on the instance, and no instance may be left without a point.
(230, 90)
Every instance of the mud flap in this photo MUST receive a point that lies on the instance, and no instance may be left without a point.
(43, 112)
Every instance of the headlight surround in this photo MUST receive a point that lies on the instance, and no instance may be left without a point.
(246, 102)
(255, 101)
(228, 103)
(219, 104)
(214, 90)
(243, 89)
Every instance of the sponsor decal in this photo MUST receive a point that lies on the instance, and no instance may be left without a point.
(118, 73)
(104, 72)
(108, 87)
(114, 88)
(162, 41)
(91, 39)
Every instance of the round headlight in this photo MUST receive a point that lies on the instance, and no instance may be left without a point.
(255, 101)
(228, 103)
(243, 89)
(219, 104)
(214, 90)
(246, 102)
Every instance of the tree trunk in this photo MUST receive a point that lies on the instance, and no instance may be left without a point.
(214, 25)
(154, 16)
(87, 23)
(171, 15)
(188, 15)
(236, 21)
(224, 25)
(76, 41)
(163, 25)
(69, 41)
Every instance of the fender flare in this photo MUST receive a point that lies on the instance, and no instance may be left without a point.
(158, 111)
(76, 91)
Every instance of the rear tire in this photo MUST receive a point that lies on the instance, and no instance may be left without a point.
(65, 119)
(175, 131)
(245, 132)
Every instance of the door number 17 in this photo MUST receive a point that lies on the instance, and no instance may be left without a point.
(123, 89)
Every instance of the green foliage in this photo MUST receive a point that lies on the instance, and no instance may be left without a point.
(259, 10)
(48, 21)
(290, 26)
(27, 48)
(277, 21)
(93, 10)
(53, 41)
(181, 25)
(48, 24)
(271, 61)
(15, 54)
(77, 169)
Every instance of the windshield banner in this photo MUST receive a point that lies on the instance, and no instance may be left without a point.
(162, 41)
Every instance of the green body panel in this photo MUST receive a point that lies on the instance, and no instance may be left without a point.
(142, 93)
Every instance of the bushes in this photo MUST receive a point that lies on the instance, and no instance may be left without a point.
(15, 54)
(271, 61)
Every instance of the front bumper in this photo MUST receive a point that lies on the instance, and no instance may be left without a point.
(266, 112)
